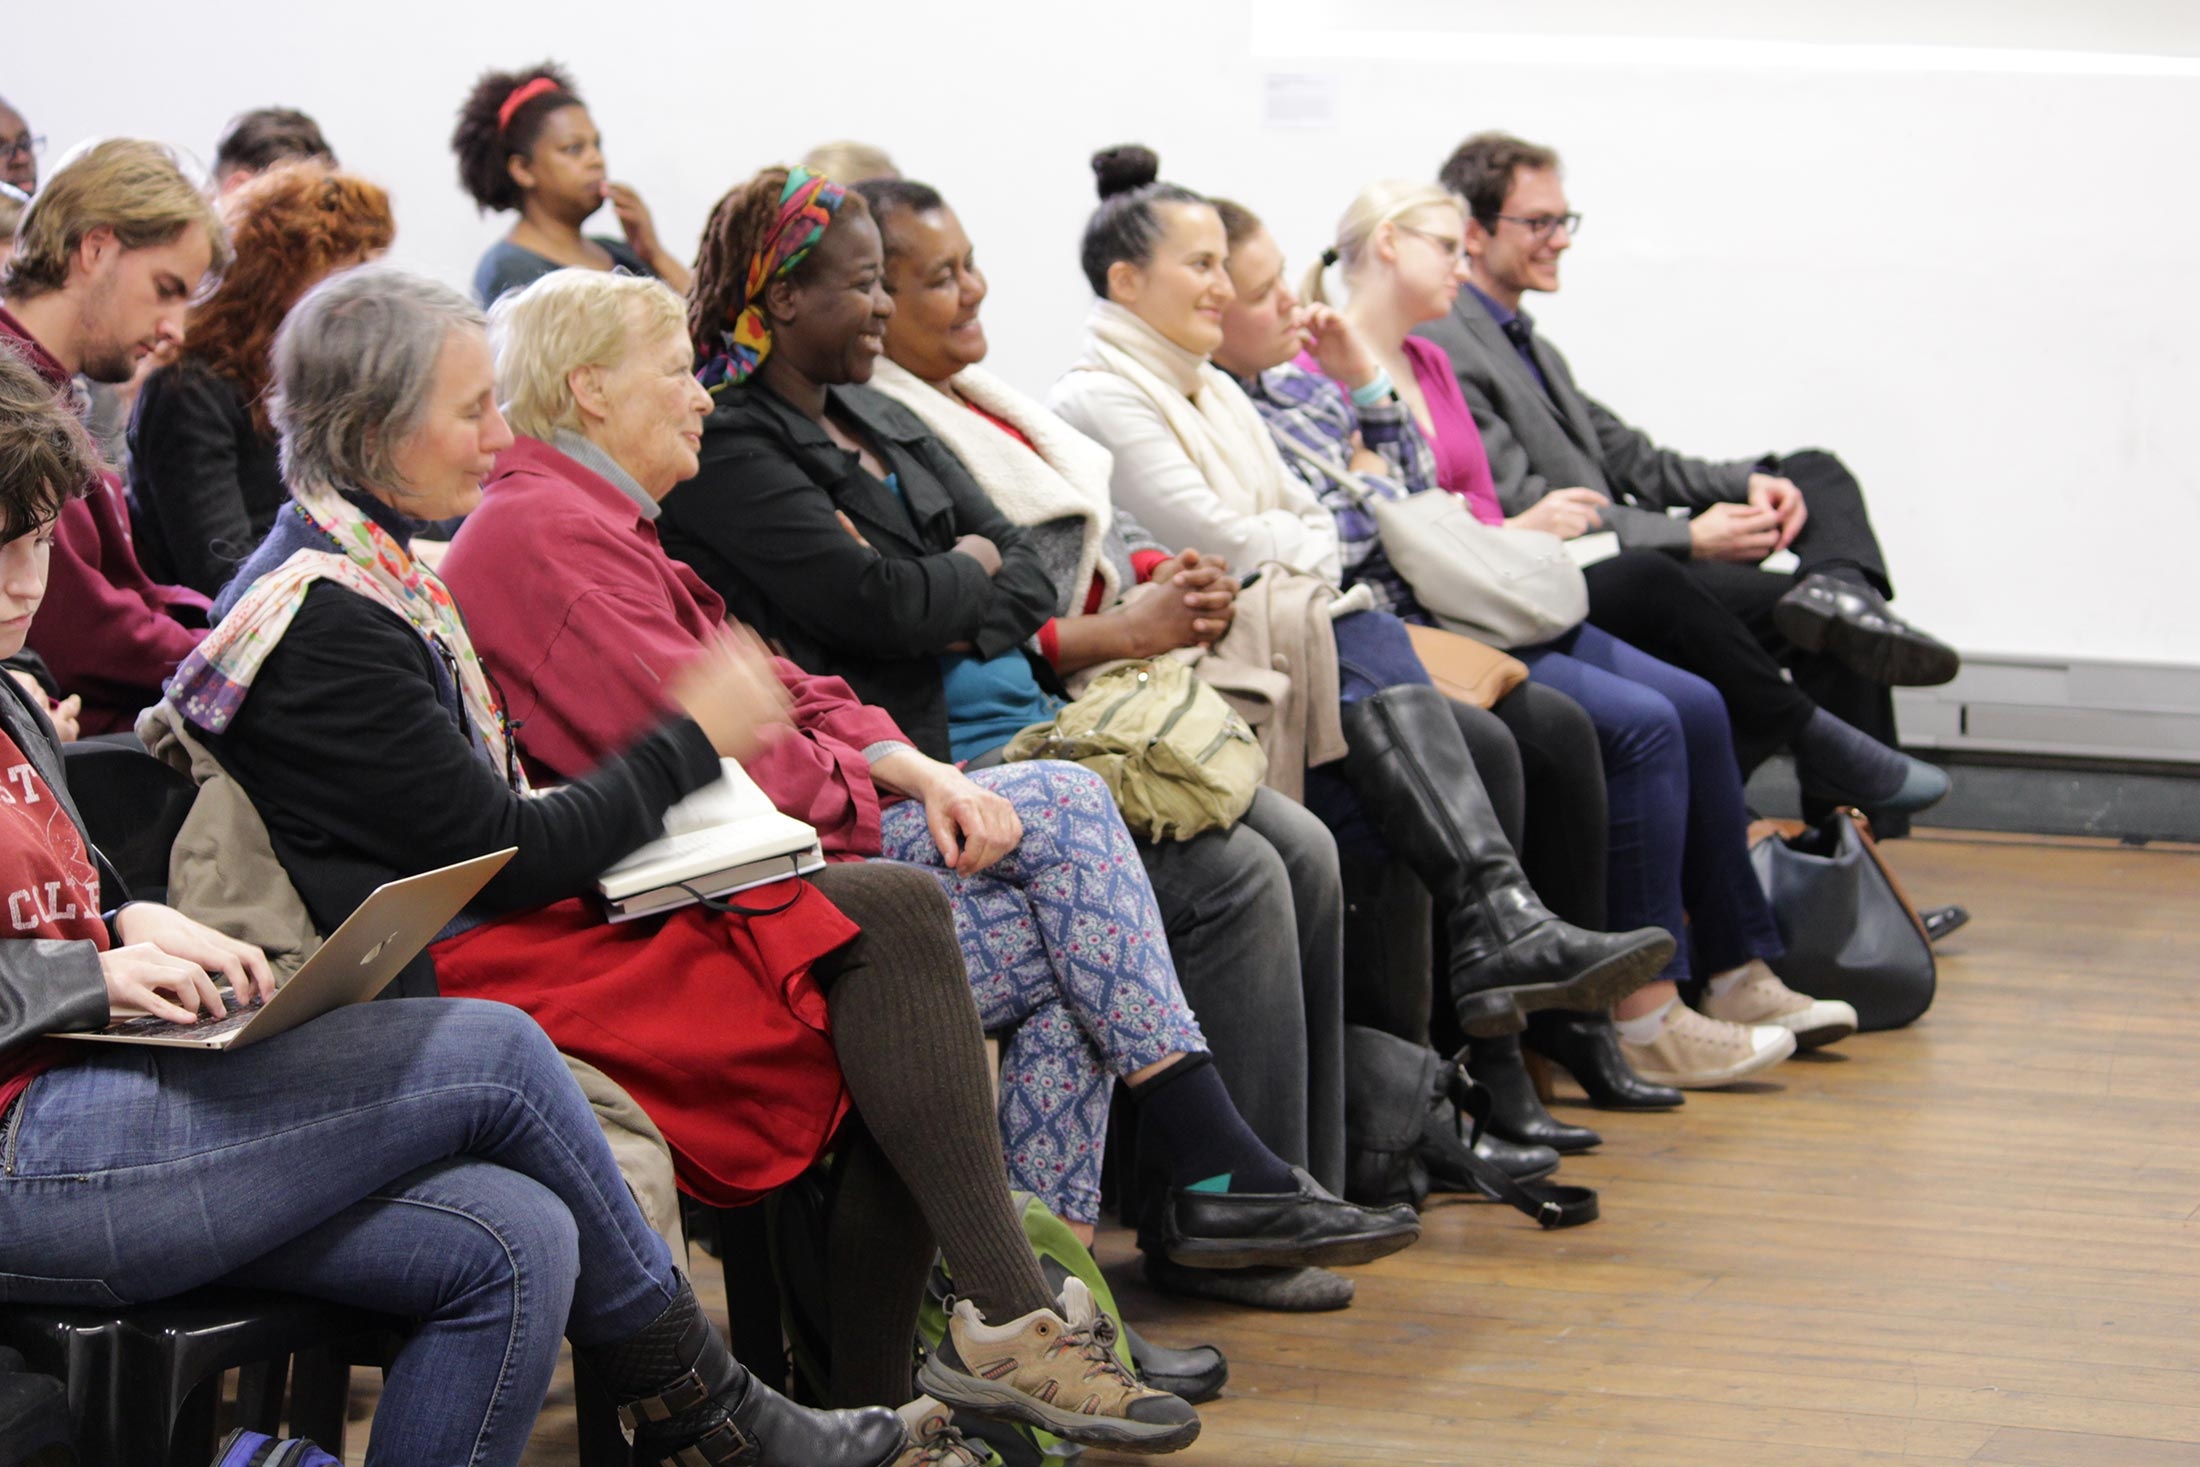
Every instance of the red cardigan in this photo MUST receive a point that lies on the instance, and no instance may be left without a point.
(110, 632)
(582, 618)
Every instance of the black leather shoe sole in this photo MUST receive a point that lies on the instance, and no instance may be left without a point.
(1490, 1012)
(1281, 1290)
(1891, 658)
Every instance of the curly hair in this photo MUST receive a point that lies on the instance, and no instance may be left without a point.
(737, 225)
(486, 141)
(46, 459)
(289, 227)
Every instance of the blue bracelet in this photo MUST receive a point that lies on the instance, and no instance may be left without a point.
(1379, 390)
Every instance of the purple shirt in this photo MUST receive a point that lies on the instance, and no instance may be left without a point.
(1504, 318)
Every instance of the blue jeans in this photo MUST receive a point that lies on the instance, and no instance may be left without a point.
(431, 1158)
(1680, 829)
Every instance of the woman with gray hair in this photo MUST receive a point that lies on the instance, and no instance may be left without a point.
(342, 691)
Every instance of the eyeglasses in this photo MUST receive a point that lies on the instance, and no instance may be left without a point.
(1455, 248)
(1542, 225)
(25, 146)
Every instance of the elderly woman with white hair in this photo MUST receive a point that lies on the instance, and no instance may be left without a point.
(343, 692)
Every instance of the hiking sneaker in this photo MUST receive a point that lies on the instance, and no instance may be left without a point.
(1699, 1053)
(1057, 1372)
(934, 1441)
(1759, 997)
(242, 1448)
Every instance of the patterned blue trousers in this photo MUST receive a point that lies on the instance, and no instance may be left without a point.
(1065, 947)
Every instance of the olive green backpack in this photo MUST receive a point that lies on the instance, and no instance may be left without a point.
(1177, 757)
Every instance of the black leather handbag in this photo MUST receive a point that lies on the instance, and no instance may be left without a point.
(1850, 932)
(1410, 1121)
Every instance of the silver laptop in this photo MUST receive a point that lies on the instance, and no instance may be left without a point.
(358, 960)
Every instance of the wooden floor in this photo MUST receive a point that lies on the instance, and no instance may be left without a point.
(1976, 1240)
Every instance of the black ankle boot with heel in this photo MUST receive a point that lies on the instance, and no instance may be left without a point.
(1516, 1111)
(1509, 954)
(1586, 1046)
(685, 1400)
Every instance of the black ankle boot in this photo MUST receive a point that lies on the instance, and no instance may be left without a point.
(1509, 954)
(684, 1398)
(1516, 1111)
(1587, 1047)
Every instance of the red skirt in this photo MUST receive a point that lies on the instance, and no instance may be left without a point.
(712, 1023)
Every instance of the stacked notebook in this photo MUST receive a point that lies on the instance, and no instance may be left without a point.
(726, 837)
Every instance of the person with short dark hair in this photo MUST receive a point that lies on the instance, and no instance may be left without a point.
(1829, 621)
(107, 258)
(19, 150)
(527, 145)
(257, 140)
(203, 463)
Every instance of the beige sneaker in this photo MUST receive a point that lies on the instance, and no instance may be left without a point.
(1697, 1053)
(1759, 997)
(1058, 1372)
(933, 1439)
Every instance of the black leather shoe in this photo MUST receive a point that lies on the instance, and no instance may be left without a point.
(1281, 1290)
(1940, 921)
(1521, 1163)
(1587, 1047)
(1192, 1376)
(1516, 1111)
(1855, 625)
(1309, 1227)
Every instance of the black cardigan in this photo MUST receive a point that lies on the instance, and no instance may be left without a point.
(206, 483)
(354, 749)
(757, 524)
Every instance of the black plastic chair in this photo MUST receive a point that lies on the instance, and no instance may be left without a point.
(144, 1383)
(34, 1418)
(132, 805)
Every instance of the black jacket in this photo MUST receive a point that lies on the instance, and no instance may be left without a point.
(49, 986)
(354, 749)
(205, 482)
(757, 524)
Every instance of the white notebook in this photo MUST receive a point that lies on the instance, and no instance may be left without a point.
(726, 837)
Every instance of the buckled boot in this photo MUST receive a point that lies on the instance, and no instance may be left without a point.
(1509, 954)
(684, 1399)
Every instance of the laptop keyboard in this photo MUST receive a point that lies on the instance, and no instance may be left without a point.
(150, 1027)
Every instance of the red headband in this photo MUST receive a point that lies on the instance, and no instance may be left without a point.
(522, 94)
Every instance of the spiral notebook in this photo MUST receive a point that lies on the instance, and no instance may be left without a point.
(724, 838)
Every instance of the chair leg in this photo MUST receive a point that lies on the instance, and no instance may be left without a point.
(191, 1430)
(260, 1394)
(601, 1442)
(754, 1330)
(320, 1398)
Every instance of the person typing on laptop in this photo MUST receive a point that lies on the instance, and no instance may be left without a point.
(432, 1158)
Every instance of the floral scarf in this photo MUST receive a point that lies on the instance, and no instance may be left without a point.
(212, 683)
(806, 208)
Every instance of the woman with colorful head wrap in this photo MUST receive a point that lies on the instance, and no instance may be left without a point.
(526, 144)
(830, 517)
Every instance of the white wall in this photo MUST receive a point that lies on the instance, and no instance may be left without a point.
(1969, 271)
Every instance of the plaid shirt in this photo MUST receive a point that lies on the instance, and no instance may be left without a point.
(1308, 413)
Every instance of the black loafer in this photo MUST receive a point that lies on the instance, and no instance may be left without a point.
(1193, 1376)
(1309, 1227)
(1854, 624)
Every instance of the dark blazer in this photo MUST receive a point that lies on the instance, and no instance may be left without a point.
(758, 525)
(1562, 439)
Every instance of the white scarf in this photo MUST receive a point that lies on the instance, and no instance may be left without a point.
(1210, 415)
(1066, 478)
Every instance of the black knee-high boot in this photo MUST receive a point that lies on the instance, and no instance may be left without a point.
(689, 1402)
(1509, 954)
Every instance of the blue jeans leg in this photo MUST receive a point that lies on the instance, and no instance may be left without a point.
(1731, 922)
(1647, 789)
(135, 1174)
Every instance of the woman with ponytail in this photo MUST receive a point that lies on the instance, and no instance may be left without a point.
(1677, 835)
(526, 145)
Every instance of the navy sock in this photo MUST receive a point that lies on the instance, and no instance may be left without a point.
(1186, 1118)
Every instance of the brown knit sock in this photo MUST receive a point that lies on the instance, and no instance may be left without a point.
(914, 1058)
(877, 1253)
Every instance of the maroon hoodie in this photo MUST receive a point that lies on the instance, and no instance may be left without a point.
(111, 633)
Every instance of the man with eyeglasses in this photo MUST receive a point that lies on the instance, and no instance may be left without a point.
(19, 150)
(1829, 620)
